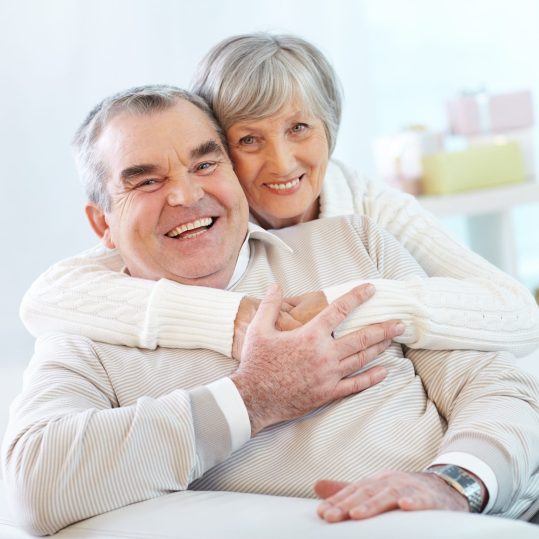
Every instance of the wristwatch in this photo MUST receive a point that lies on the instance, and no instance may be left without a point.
(463, 482)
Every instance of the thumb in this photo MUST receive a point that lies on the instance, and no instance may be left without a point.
(326, 487)
(268, 311)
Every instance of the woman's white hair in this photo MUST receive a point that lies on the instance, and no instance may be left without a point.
(253, 76)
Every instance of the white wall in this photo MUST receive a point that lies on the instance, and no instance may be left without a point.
(398, 62)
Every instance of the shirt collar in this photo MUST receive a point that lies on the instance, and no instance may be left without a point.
(254, 232)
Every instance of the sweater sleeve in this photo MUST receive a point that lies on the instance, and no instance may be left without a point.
(89, 295)
(492, 412)
(70, 450)
(467, 303)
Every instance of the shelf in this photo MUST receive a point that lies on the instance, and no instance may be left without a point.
(481, 201)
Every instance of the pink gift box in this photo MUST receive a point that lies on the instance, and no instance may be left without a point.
(484, 113)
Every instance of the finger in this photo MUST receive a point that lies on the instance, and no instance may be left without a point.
(286, 322)
(339, 309)
(387, 500)
(368, 336)
(357, 361)
(359, 382)
(330, 509)
(268, 311)
(327, 487)
(290, 303)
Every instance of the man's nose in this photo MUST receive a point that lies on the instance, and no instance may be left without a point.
(184, 191)
(280, 157)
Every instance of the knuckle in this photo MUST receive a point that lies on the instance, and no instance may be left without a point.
(362, 358)
(360, 382)
(362, 340)
(341, 308)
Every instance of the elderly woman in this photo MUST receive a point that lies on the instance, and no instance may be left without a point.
(278, 101)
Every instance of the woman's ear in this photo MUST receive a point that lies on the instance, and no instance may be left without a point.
(98, 221)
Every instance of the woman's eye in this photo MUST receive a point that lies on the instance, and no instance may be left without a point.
(248, 140)
(297, 128)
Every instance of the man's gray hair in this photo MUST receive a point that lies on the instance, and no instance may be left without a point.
(252, 76)
(139, 100)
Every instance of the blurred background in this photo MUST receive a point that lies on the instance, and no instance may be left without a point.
(399, 63)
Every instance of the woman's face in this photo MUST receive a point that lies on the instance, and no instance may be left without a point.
(281, 162)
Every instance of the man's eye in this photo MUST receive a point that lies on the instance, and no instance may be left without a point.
(248, 140)
(206, 167)
(148, 185)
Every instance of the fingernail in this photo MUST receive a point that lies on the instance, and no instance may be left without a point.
(335, 512)
(369, 289)
(399, 328)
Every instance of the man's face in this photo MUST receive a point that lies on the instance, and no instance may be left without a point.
(178, 211)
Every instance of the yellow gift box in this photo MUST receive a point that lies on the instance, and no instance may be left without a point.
(480, 165)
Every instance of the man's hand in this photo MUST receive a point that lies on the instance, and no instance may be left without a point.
(285, 374)
(386, 491)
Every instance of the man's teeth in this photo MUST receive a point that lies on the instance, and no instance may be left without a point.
(206, 221)
(282, 186)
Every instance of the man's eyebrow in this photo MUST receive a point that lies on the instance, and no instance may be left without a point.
(210, 146)
(135, 171)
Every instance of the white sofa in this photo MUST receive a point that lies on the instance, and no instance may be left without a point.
(227, 515)
(223, 515)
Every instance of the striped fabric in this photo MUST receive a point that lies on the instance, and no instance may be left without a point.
(99, 426)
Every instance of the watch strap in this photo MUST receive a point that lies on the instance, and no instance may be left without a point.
(462, 481)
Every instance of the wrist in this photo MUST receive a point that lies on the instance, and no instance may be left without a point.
(250, 399)
(465, 483)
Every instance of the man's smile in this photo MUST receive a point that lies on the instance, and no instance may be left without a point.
(192, 229)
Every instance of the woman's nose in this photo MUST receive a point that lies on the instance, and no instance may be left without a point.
(184, 191)
(280, 157)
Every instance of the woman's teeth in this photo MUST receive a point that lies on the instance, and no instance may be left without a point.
(199, 223)
(283, 186)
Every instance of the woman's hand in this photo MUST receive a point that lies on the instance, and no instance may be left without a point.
(295, 312)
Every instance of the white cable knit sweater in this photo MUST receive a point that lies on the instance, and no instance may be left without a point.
(466, 304)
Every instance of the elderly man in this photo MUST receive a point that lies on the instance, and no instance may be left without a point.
(100, 426)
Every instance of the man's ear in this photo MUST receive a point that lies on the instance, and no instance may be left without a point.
(98, 221)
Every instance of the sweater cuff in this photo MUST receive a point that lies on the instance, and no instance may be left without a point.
(220, 421)
(212, 436)
(392, 300)
(478, 467)
(181, 316)
(493, 458)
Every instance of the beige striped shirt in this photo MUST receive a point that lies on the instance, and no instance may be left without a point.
(100, 426)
